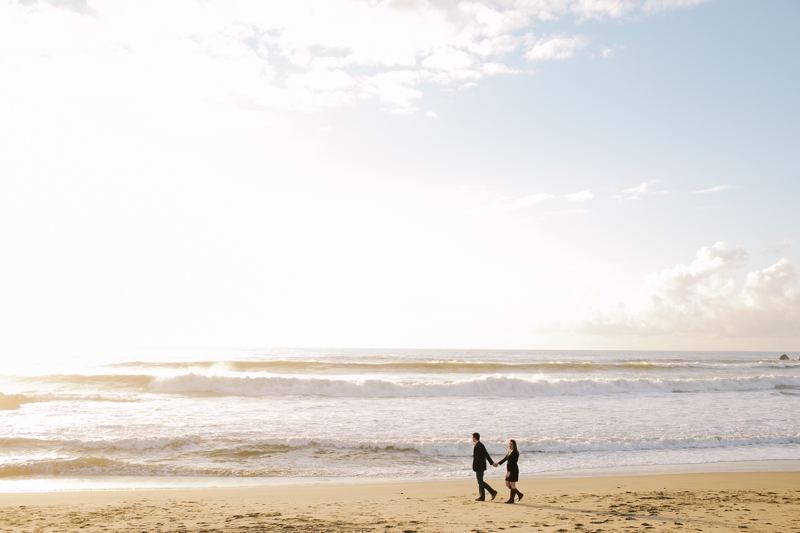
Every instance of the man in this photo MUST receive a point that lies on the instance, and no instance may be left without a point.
(479, 458)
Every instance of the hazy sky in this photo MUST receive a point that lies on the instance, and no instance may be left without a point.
(400, 173)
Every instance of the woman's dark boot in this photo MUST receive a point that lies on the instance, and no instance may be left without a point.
(519, 495)
(511, 496)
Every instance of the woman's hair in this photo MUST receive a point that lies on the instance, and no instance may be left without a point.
(514, 444)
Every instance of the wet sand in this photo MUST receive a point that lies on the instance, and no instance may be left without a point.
(711, 502)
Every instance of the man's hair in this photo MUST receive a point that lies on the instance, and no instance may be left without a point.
(476, 436)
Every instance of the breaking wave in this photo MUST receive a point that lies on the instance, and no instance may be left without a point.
(110, 381)
(491, 386)
(9, 402)
(100, 466)
(128, 388)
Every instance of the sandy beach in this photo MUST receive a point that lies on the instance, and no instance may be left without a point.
(712, 502)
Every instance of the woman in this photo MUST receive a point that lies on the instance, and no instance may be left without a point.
(512, 475)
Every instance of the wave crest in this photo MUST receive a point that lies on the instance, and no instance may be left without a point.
(101, 466)
(490, 386)
(9, 402)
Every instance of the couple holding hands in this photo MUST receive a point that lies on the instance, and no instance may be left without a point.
(479, 458)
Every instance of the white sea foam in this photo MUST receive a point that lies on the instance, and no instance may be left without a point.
(489, 386)
(257, 458)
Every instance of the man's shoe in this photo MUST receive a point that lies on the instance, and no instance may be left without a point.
(481, 499)
(494, 495)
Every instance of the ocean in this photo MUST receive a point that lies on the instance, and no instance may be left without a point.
(271, 414)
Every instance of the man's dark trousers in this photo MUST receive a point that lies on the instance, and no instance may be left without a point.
(479, 458)
(482, 485)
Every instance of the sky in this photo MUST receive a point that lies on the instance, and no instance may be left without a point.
(532, 174)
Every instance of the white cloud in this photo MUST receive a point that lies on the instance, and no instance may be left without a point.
(300, 55)
(327, 81)
(513, 203)
(432, 114)
(785, 244)
(610, 51)
(396, 88)
(655, 6)
(599, 9)
(580, 196)
(448, 59)
(492, 69)
(779, 248)
(702, 300)
(606, 52)
(643, 189)
(451, 77)
(718, 188)
(553, 47)
(548, 214)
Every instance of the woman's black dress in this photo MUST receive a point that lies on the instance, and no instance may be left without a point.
(513, 468)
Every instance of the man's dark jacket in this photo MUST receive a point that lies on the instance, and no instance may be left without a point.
(479, 457)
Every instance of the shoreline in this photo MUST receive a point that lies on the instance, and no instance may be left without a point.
(51, 483)
(709, 502)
